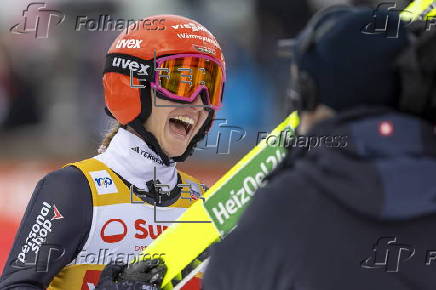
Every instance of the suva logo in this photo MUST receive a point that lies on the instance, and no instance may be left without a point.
(129, 43)
(131, 64)
(113, 238)
(115, 230)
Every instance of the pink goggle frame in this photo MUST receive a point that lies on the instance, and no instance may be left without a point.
(204, 73)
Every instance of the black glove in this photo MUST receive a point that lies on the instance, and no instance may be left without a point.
(144, 275)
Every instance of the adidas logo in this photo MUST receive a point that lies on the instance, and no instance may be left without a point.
(147, 155)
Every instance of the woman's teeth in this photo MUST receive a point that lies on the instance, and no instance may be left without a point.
(185, 120)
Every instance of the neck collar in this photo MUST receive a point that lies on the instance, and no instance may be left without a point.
(130, 157)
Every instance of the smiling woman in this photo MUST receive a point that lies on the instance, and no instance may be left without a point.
(159, 120)
(174, 127)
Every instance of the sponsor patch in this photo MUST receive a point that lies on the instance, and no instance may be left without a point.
(115, 230)
(111, 234)
(192, 26)
(39, 231)
(103, 182)
(204, 49)
(199, 37)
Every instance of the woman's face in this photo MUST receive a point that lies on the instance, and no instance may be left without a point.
(173, 126)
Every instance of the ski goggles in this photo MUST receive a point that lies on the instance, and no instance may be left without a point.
(182, 77)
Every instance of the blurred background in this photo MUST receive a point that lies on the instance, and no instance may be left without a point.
(51, 98)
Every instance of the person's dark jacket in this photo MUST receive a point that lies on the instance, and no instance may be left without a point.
(359, 217)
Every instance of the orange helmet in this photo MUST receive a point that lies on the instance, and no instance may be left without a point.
(131, 71)
(160, 34)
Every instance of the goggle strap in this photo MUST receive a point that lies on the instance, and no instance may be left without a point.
(125, 64)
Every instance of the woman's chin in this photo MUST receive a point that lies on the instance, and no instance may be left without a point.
(175, 152)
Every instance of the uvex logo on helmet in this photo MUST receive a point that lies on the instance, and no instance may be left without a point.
(131, 64)
(129, 43)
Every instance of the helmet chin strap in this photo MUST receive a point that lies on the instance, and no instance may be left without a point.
(147, 99)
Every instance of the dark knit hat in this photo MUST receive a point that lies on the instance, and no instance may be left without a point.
(349, 59)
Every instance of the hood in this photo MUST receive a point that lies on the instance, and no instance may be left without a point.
(386, 171)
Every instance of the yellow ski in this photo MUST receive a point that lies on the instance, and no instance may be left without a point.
(206, 222)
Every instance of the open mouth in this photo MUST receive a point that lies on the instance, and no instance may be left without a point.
(181, 125)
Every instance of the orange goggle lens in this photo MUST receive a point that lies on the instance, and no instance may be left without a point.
(183, 77)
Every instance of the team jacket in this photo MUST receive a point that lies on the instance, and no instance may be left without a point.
(354, 217)
(80, 218)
